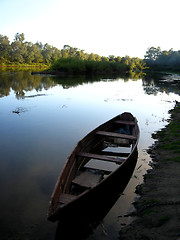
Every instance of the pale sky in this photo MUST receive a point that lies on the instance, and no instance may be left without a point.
(105, 27)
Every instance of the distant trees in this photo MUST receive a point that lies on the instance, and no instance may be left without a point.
(4, 48)
(95, 64)
(68, 59)
(157, 59)
(20, 51)
(19, 37)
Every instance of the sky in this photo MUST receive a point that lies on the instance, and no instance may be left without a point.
(104, 27)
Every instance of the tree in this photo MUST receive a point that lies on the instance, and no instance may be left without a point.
(56, 54)
(19, 52)
(152, 54)
(118, 59)
(4, 48)
(33, 53)
(47, 53)
(19, 37)
(104, 59)
(112, 58)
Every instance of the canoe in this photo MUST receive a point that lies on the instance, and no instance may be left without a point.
(98, 166)
(84, 226)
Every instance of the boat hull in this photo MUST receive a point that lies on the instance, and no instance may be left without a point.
(91, 206)
(85, 205)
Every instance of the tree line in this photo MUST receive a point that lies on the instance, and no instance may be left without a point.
(157, 59)
(71, 59)
(67, 59)
(23, 52)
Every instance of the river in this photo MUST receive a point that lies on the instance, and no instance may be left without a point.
(42, 117)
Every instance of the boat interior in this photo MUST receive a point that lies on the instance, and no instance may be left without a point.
(110, 149)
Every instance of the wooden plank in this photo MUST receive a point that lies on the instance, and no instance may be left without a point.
(115, 154)
(105, 170)
(100, 157)
(125, 122)
(87, 179)
(118, 135)
(66, 198)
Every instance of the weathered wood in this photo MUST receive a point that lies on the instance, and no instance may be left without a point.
(118, 135)
(125, 122)
(86, 172)
(100, 157)
(114, 154)
(103, 169)
(65, 198)
(87, 179)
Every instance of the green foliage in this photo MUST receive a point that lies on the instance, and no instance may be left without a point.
(162, 60)
(169, 137)
(163, 220)
(150, 201)
(152, 54)
(71, 65)
(147, 211)
(173, 159)
(68, 59)
(75, 65)
(23, 52)
(76, 61)
(4, 48)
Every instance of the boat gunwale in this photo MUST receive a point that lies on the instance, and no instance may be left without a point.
(72, 155)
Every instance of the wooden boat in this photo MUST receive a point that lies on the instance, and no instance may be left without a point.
(98, 166)
(82, 228)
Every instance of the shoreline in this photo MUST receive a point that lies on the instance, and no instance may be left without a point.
(157, 214)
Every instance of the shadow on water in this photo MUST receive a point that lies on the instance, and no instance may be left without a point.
(82, 226)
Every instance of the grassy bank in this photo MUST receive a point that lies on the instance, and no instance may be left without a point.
(169, 137)
(158, 208)
(23, 67)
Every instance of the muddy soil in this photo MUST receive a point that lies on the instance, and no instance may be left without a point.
(157, 215)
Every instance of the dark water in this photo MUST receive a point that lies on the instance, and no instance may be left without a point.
(41, 120)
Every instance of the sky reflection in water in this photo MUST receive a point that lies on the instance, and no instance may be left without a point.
(41, 120)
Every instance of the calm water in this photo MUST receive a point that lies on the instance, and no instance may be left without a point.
(41, 120)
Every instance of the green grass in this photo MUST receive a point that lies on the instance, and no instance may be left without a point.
(169, 137)
(150, 201)
(163, 220)
(173, 145)
(148, 211)
(173, 159)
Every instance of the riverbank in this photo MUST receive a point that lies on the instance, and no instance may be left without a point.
(157, 215)
(23, 67)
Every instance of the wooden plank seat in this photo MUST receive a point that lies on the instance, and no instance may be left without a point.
(101, 169)
(100, 157)
(115, 154)
(117, 135)
(125, 122)
(65, 198)
(87, 179)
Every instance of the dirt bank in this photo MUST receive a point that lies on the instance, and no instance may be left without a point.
(157, 214)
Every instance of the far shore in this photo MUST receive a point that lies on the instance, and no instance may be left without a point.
(24, 66)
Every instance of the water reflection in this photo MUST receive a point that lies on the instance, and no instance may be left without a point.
(41, 120)
(23, 82)
(154, 83)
